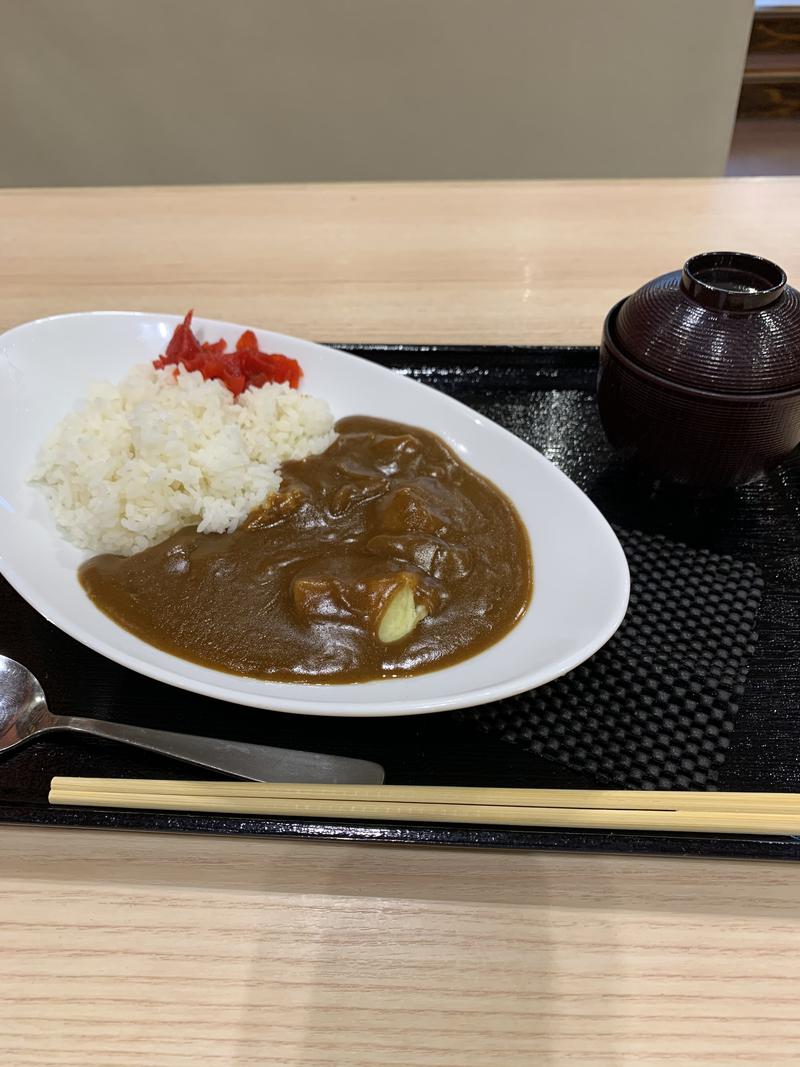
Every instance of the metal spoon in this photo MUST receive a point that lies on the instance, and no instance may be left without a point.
(24, 715)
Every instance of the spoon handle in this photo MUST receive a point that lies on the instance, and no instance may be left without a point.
(255, 763)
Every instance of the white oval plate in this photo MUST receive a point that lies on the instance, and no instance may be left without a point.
(580, 573)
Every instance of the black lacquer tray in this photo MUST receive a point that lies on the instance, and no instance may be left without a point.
(546, 396)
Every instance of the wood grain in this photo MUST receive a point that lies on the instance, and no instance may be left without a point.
(127, 950)
(518, 262)
(140, 951)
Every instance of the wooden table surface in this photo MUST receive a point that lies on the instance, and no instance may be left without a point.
(128, 949)
(525, 262)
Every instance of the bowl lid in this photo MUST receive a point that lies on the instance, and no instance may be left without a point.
(727, 322)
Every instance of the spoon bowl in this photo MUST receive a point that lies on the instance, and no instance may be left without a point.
(23, 708)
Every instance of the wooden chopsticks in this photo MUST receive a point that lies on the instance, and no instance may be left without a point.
(599, 809)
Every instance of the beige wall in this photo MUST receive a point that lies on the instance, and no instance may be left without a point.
(140, 91)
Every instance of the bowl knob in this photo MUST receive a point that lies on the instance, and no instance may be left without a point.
(732, 281)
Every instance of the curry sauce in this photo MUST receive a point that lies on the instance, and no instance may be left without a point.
(387, 524)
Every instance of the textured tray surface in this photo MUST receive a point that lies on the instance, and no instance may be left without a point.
(656, 707)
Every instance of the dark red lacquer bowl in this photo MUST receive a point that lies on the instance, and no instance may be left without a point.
(700, 371)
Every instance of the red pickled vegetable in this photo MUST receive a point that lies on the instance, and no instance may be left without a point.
(237, 370)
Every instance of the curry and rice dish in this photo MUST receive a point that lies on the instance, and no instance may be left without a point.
(382, 556)
(372, 552)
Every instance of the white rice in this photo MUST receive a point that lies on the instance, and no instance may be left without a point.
(141, 459)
